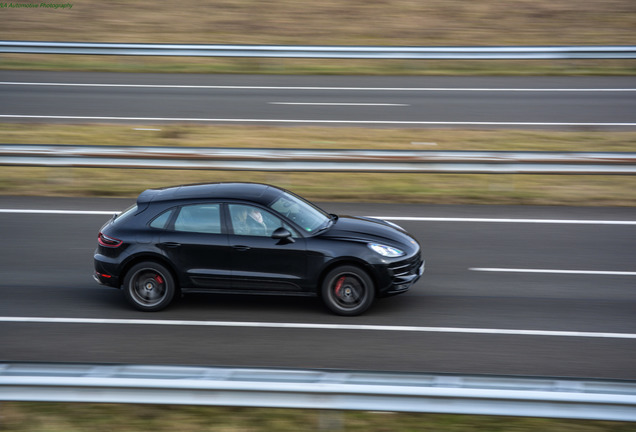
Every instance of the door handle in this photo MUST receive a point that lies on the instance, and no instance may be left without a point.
(170, 244)
(241, 248)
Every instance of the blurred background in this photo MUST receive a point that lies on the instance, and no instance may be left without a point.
(352, 22)
(389, 22)
(330, 22)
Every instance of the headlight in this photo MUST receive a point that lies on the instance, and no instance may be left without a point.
(386, 251)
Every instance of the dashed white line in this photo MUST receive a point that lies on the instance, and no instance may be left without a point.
(311, 121)
(339, 104)
(554, 271)
(317, 326)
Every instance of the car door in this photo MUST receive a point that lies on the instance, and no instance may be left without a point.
(198, 246)
(260, 262)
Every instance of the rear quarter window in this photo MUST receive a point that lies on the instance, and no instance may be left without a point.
(161, 221)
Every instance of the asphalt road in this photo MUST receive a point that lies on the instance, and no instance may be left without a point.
(482, 306)
(484, 102)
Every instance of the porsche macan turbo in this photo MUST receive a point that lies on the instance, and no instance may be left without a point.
(251, 238)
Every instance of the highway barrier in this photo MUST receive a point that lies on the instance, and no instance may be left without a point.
(325, 160)
(320, 389)
(310, 51)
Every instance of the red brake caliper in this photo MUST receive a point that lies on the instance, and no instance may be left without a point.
(339, 285)
(159, 279)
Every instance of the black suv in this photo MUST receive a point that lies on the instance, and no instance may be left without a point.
(251, 238)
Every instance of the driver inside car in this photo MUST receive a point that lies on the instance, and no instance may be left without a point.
(249, 221)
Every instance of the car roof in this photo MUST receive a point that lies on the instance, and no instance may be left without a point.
(250, 191)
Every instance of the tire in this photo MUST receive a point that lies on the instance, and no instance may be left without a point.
(348, 290)
(149, 286)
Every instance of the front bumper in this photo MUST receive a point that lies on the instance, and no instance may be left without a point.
(403, 275)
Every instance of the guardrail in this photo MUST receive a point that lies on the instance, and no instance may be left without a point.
(315, 389)
(308, 51)
(326, 160)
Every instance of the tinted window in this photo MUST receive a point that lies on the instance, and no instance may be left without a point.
(253, 221)
(203, 218)
(161, 221)
(126, 214)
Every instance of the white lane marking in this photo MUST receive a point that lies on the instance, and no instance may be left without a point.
(316, 326)
(313, 121)
(494, 220)
(554, 271)
(232, 87)
(395, 218)
(339, 104)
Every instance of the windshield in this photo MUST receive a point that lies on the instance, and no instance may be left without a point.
(309, 217)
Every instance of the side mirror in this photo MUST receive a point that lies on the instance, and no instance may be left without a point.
(283, 235)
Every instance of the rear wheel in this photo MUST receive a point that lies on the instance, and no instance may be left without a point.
(149, 286)
(348, 290)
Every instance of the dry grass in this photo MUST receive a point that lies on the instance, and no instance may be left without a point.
(585, 139)
(354, 22)
(60, 417)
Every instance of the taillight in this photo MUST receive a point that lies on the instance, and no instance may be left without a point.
(110, 242)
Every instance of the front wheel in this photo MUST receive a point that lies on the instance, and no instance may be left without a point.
(348, 290)
(149, 286)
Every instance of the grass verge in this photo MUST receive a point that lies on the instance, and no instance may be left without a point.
(282, 66)
(60, 417)
(369, 187)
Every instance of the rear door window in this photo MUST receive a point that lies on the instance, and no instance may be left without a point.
(201, 218)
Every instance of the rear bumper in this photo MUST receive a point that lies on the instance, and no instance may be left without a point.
(107, 268)
(105, 279)
(105, 272)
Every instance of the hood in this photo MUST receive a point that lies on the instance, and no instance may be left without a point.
(373, 230)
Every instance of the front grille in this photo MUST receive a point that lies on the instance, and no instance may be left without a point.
(407, 267)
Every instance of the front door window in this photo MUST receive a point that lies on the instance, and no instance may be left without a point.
(248, 220)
